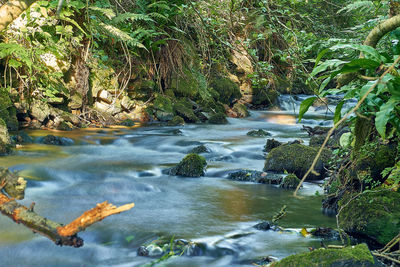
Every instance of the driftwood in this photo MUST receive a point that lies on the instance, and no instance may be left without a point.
(13, 187)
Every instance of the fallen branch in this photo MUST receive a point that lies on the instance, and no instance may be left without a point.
(311, 169)
(58, 233)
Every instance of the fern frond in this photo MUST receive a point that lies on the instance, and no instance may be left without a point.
(120, 35)
(160, 5)
(360, 6)
(131, 16)
(108, 12)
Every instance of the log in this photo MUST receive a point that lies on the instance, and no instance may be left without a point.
(58, 233)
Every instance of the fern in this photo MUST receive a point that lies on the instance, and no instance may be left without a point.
(107, 12)
(120, 35)
(131, 16)
(360, 6)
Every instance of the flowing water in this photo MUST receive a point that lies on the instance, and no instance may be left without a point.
(124, 165)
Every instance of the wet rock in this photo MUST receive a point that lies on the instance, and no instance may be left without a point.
(326, 233)
(296, 159)
(154, 250)
(56, 141)
(317, 130)
(177, 132)
(240, 110)
(373, 214)
(263, 226)
(143, 251)
(184, 109)
(228, 91)
(64, 126)
(200, 149)
(297, 141)
(271, 144)
(258, 133)
(218, 118)
(127, 123)
(176, 121)
(192, 165)
(350, 256)
(22, 138)
(290, 182)
(264, 261)
(163, 108)
(255, 177)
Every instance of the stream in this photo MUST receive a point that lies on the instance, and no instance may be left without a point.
(124, 165)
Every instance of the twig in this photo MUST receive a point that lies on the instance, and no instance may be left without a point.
(386, 257)
(311, 169)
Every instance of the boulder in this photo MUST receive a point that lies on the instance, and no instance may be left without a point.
(200, 149)
(22, 138)
(163, 108)
(258, 133)
(218, 118)
(40, 110)
(297, 159)
(56, 141)
(375, 215)
(350, 256)
(255, 177)
(176, 121)
(193, 165)
(271, 144)
(227, 90)
(127, 123)
(291, 181)
(184, 109)
(241, 110)
(5, 147)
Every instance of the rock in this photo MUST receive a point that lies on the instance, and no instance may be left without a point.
(241, 110)
(373, 214)
(228, 91)
(75, 101)
(263, 226)
(271, 144)
(218, 118)
(258, 133)
(192, 165)
(154, 250)
(64, 126)
(143, 251)
(163, 109)
(56, 141)
(176, 121)
(40, 110)
(8, 112)
(296, 159)
(184, 109)
(127, 123)
(200, 149)
(255, 177)
(326, 233)
(15, 186)
(127, 103)
(350, 256)
(189, 83)
(290, 182)
(4, 136)
(22, 138)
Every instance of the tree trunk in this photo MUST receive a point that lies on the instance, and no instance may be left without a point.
(12, 10)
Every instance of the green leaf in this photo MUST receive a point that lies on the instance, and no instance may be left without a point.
(14, 63)
(338, 112)
(305, 105)
(383, 116)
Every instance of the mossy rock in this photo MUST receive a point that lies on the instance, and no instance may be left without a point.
(241, 110)
(176, 121)
(191, 83)
(184, 109)
(218, 118)
(350, 256)
(297, 159)
(5, 149)
(7, 110)
(4, 136)
(264, 97)
(227, 90)
(374, 157)
(200, 149)
(212, 106)
(163, 108)
(193, 165)
(22, 138)
(271, 144)
(373, 214)
(258, 133)
(291, 181)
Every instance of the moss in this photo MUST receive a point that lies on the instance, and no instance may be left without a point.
(184, 109)
(241, 110)
(177, 120)
(200, 149)
(372, 214)
(163, 109)
(5, 149)
(218, 118)
(258, 133)
(212, 106)
(65, 126)
(228, 91)
(291, 181)
(192, 165)
(191, 83)
(7, 110)
(349, 256)
(4, 136)
(271, 144)
(297, 159)
(264, 96)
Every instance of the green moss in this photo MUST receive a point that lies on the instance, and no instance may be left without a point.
(162, 108)
(297, 159)
(258, 133)
(218, 118)
(352, 256)
(191, 83)
(241, 110)
(192, 165)
(184, 109)
(7, 110)
(291, 181)
(177, 120)
(372, 214)
(271, 144)
(264, 96)
(227, 90)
